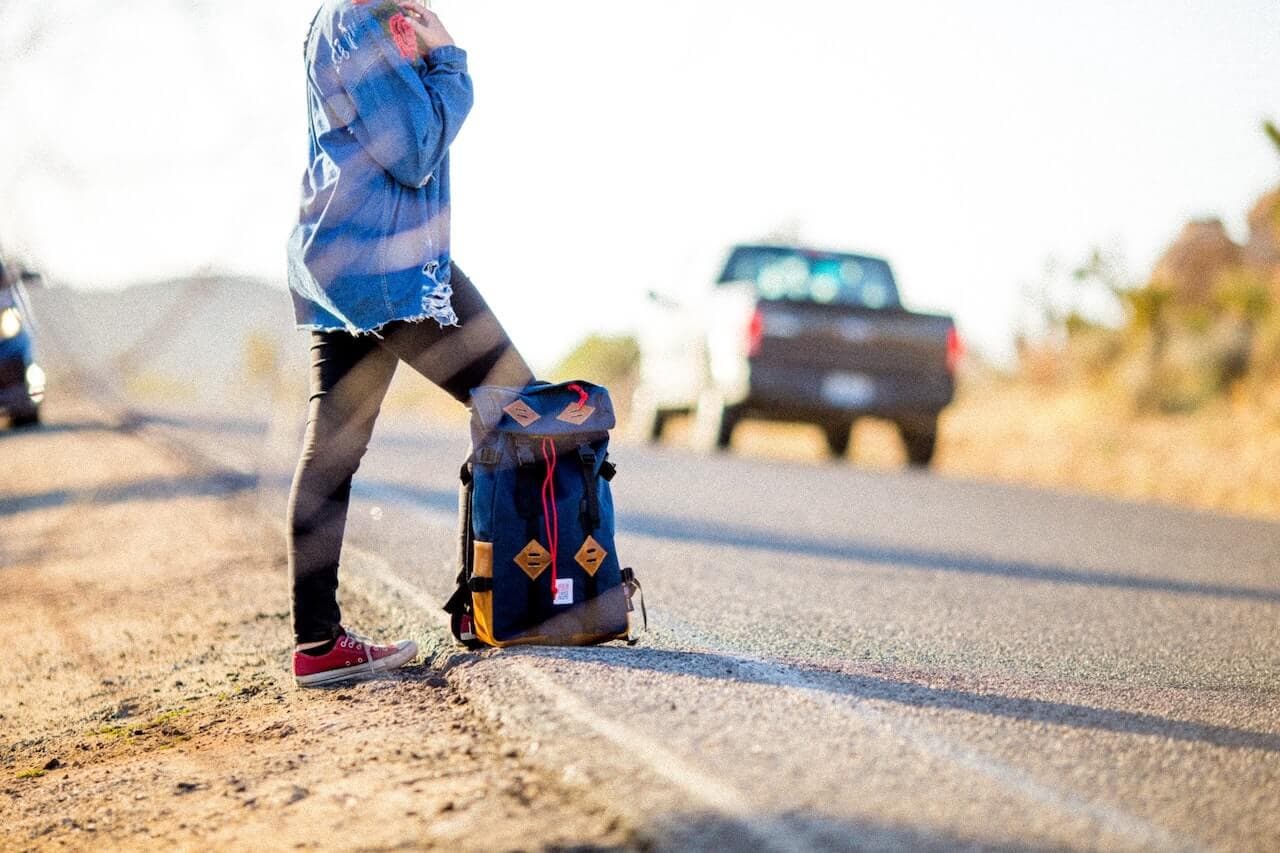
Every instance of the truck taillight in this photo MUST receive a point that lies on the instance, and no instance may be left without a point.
(955, 350)
(755, 333)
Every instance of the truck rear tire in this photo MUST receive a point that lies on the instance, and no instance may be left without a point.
(921, 442)
(27, 419)
(657, 423)
(838, 436)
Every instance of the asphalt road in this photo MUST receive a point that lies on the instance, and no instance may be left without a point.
(846, 659)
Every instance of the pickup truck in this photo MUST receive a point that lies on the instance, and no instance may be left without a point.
(793, 334)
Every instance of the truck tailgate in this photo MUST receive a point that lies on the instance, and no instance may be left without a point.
(889, 359)
(835, 336)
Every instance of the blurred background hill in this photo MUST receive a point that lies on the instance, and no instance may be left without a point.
(149, 337)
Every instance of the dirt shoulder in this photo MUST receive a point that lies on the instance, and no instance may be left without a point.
(145, 701)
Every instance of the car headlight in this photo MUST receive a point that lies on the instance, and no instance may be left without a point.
(35, 378)
(10, 323)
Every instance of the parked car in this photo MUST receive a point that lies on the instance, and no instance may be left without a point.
(789, 333)
(21, 379)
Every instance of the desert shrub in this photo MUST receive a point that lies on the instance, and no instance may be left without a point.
(1245, 294)
(1266, 348)
(601, 359)
(1176, 353)
(1093, 349)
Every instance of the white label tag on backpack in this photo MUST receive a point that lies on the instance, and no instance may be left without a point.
(564, 591)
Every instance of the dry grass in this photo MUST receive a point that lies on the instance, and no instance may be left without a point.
(1222, 458)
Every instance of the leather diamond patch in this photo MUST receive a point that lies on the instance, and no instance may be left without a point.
(591, 556)
(576, 415)
(522, 414)
(534, 559)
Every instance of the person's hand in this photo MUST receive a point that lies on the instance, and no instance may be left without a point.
(426, 26)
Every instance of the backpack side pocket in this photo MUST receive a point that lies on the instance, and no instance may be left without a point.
(482, 590)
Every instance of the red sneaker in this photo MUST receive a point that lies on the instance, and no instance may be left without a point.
(351, 656)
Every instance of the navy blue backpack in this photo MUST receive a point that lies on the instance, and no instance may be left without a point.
(539, 562)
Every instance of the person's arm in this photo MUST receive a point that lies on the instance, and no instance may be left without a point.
(407, 115)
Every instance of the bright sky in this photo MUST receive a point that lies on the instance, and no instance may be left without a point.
(616, 148)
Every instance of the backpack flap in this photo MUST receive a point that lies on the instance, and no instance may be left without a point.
(566, 409)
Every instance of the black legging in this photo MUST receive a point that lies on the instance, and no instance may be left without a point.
(349, 378)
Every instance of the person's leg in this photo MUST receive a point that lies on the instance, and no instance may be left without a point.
(349, 378)
(476, 352)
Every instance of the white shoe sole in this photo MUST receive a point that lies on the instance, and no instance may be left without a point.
(395, 661)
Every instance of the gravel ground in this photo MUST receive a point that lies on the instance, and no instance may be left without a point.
(145, 701)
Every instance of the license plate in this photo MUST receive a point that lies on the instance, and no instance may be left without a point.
(848, 389)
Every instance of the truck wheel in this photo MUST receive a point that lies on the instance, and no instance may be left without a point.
(713, 423)
(657, 423)
(27, 419)
(920, 442)
(838, 438)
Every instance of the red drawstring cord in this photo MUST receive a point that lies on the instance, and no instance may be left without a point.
(549, 512)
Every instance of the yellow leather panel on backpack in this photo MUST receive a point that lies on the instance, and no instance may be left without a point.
(482, 602)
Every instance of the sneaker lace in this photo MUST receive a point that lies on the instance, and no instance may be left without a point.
(365, 645)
